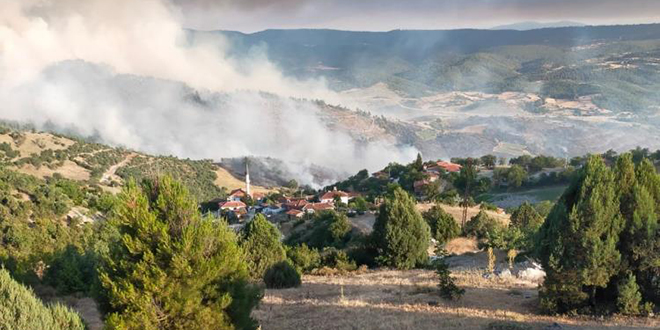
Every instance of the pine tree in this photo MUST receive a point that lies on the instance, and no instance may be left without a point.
(649, 179)
(261, 243)
(172, 269)
(578, 241)
(629, 299)
(443, 226)
(401, 235)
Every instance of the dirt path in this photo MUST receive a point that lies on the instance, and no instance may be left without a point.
(110, 175)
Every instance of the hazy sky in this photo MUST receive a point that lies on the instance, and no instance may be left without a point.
(378, 15)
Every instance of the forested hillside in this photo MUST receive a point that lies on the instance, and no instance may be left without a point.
(618, 65)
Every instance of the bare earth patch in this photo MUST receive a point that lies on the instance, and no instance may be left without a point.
(69, 170)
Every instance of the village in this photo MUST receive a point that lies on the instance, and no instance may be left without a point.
(242, 204)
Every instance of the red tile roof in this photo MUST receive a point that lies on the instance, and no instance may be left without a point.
(332, 194)
(237, 192)
(449, 167)
(294, 212)
(298, 204)
(232, 205)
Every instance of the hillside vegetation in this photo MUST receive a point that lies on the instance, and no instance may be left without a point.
(98, 166)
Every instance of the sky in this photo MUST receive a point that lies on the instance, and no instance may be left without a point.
(385, 15)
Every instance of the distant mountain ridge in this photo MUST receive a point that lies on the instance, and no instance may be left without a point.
(531, 25)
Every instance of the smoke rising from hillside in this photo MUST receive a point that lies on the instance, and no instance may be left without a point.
(112, 69)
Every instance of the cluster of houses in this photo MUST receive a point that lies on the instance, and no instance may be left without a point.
(291, 207)
(433, 172)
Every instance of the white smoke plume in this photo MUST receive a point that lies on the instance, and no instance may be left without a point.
(121, 70)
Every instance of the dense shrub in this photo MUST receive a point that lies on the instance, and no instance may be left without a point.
(401, 236)
(443, 226)
(261, 243)
(71, 271)
(20, 309)
(305, 259)
(282, 275)
(171, 269)
(337, 259)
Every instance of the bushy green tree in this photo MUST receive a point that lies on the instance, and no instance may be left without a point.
(526, 217)
(304, 258)
(401, 236)
(481, 225)
(282, 275)
(172, 269)
(21, 309)
(262, 246)
(443, 226)
(578, 241)
(359, 204)
(329, 228)
(527, 221)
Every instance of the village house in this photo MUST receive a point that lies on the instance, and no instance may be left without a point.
(232, 206)
(296, 204)
(236, 195)
(295, 214)
(318, 207)
(329, 197)
(449, 166)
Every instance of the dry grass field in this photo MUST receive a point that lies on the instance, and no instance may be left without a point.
(226, 180)
(388, 299)
(69, 170)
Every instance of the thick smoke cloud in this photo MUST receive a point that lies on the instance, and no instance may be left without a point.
(127, 72)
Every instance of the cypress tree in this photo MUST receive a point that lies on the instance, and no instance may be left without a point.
(261, 243)
(401, 236)
(639, 189)
(578, 241)
(172, 269)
